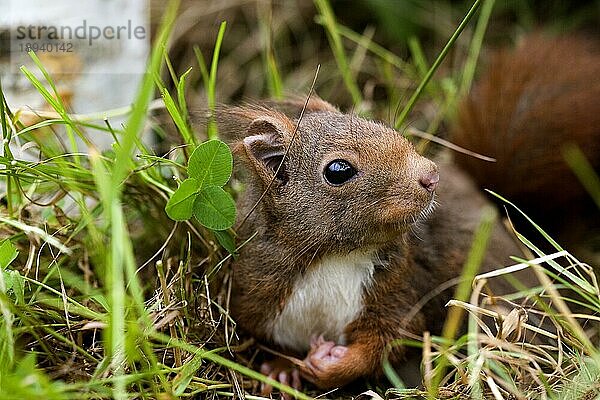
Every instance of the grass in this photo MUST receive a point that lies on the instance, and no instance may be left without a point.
(210, 79)
(103, 296)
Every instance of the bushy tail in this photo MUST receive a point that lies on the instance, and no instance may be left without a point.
(531, 102)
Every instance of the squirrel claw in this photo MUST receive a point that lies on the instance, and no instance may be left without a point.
(283, 372)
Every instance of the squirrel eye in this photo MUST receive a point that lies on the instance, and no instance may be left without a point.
(338, 172)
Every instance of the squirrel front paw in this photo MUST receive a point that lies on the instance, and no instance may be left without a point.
(323, 353)
(329, 365)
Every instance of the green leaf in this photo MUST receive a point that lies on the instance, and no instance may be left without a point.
(181, 204)
(226, 240)
(214, 208)
(8, 253)
(211, 164)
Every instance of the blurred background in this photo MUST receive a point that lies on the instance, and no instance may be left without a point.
(298, 42)
(269, 35)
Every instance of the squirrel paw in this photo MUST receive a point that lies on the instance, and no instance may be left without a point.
(326, 364)
(323, 353)
(282, 371)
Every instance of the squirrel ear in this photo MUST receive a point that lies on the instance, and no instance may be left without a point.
(265, 148)
(318, 104)
(293, 106)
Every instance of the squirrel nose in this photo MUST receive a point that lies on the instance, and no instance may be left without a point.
(430, 181)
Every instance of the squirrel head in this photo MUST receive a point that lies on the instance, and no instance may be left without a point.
(346, 183)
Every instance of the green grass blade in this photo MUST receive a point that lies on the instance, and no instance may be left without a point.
(335, 41)
(536, 226)
(212, 132)
(468, 72)
(274, 83)
(438, 61)
(418, 56)
(583, 170)
(181, 98)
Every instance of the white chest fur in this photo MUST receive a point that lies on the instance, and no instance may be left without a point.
(324, 301)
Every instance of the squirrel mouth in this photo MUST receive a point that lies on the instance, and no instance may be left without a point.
(400, 217)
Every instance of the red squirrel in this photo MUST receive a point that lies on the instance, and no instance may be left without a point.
(344, 247)
(352, 231)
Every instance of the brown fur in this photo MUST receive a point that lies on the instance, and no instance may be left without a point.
(302, 219)
(531, 101)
